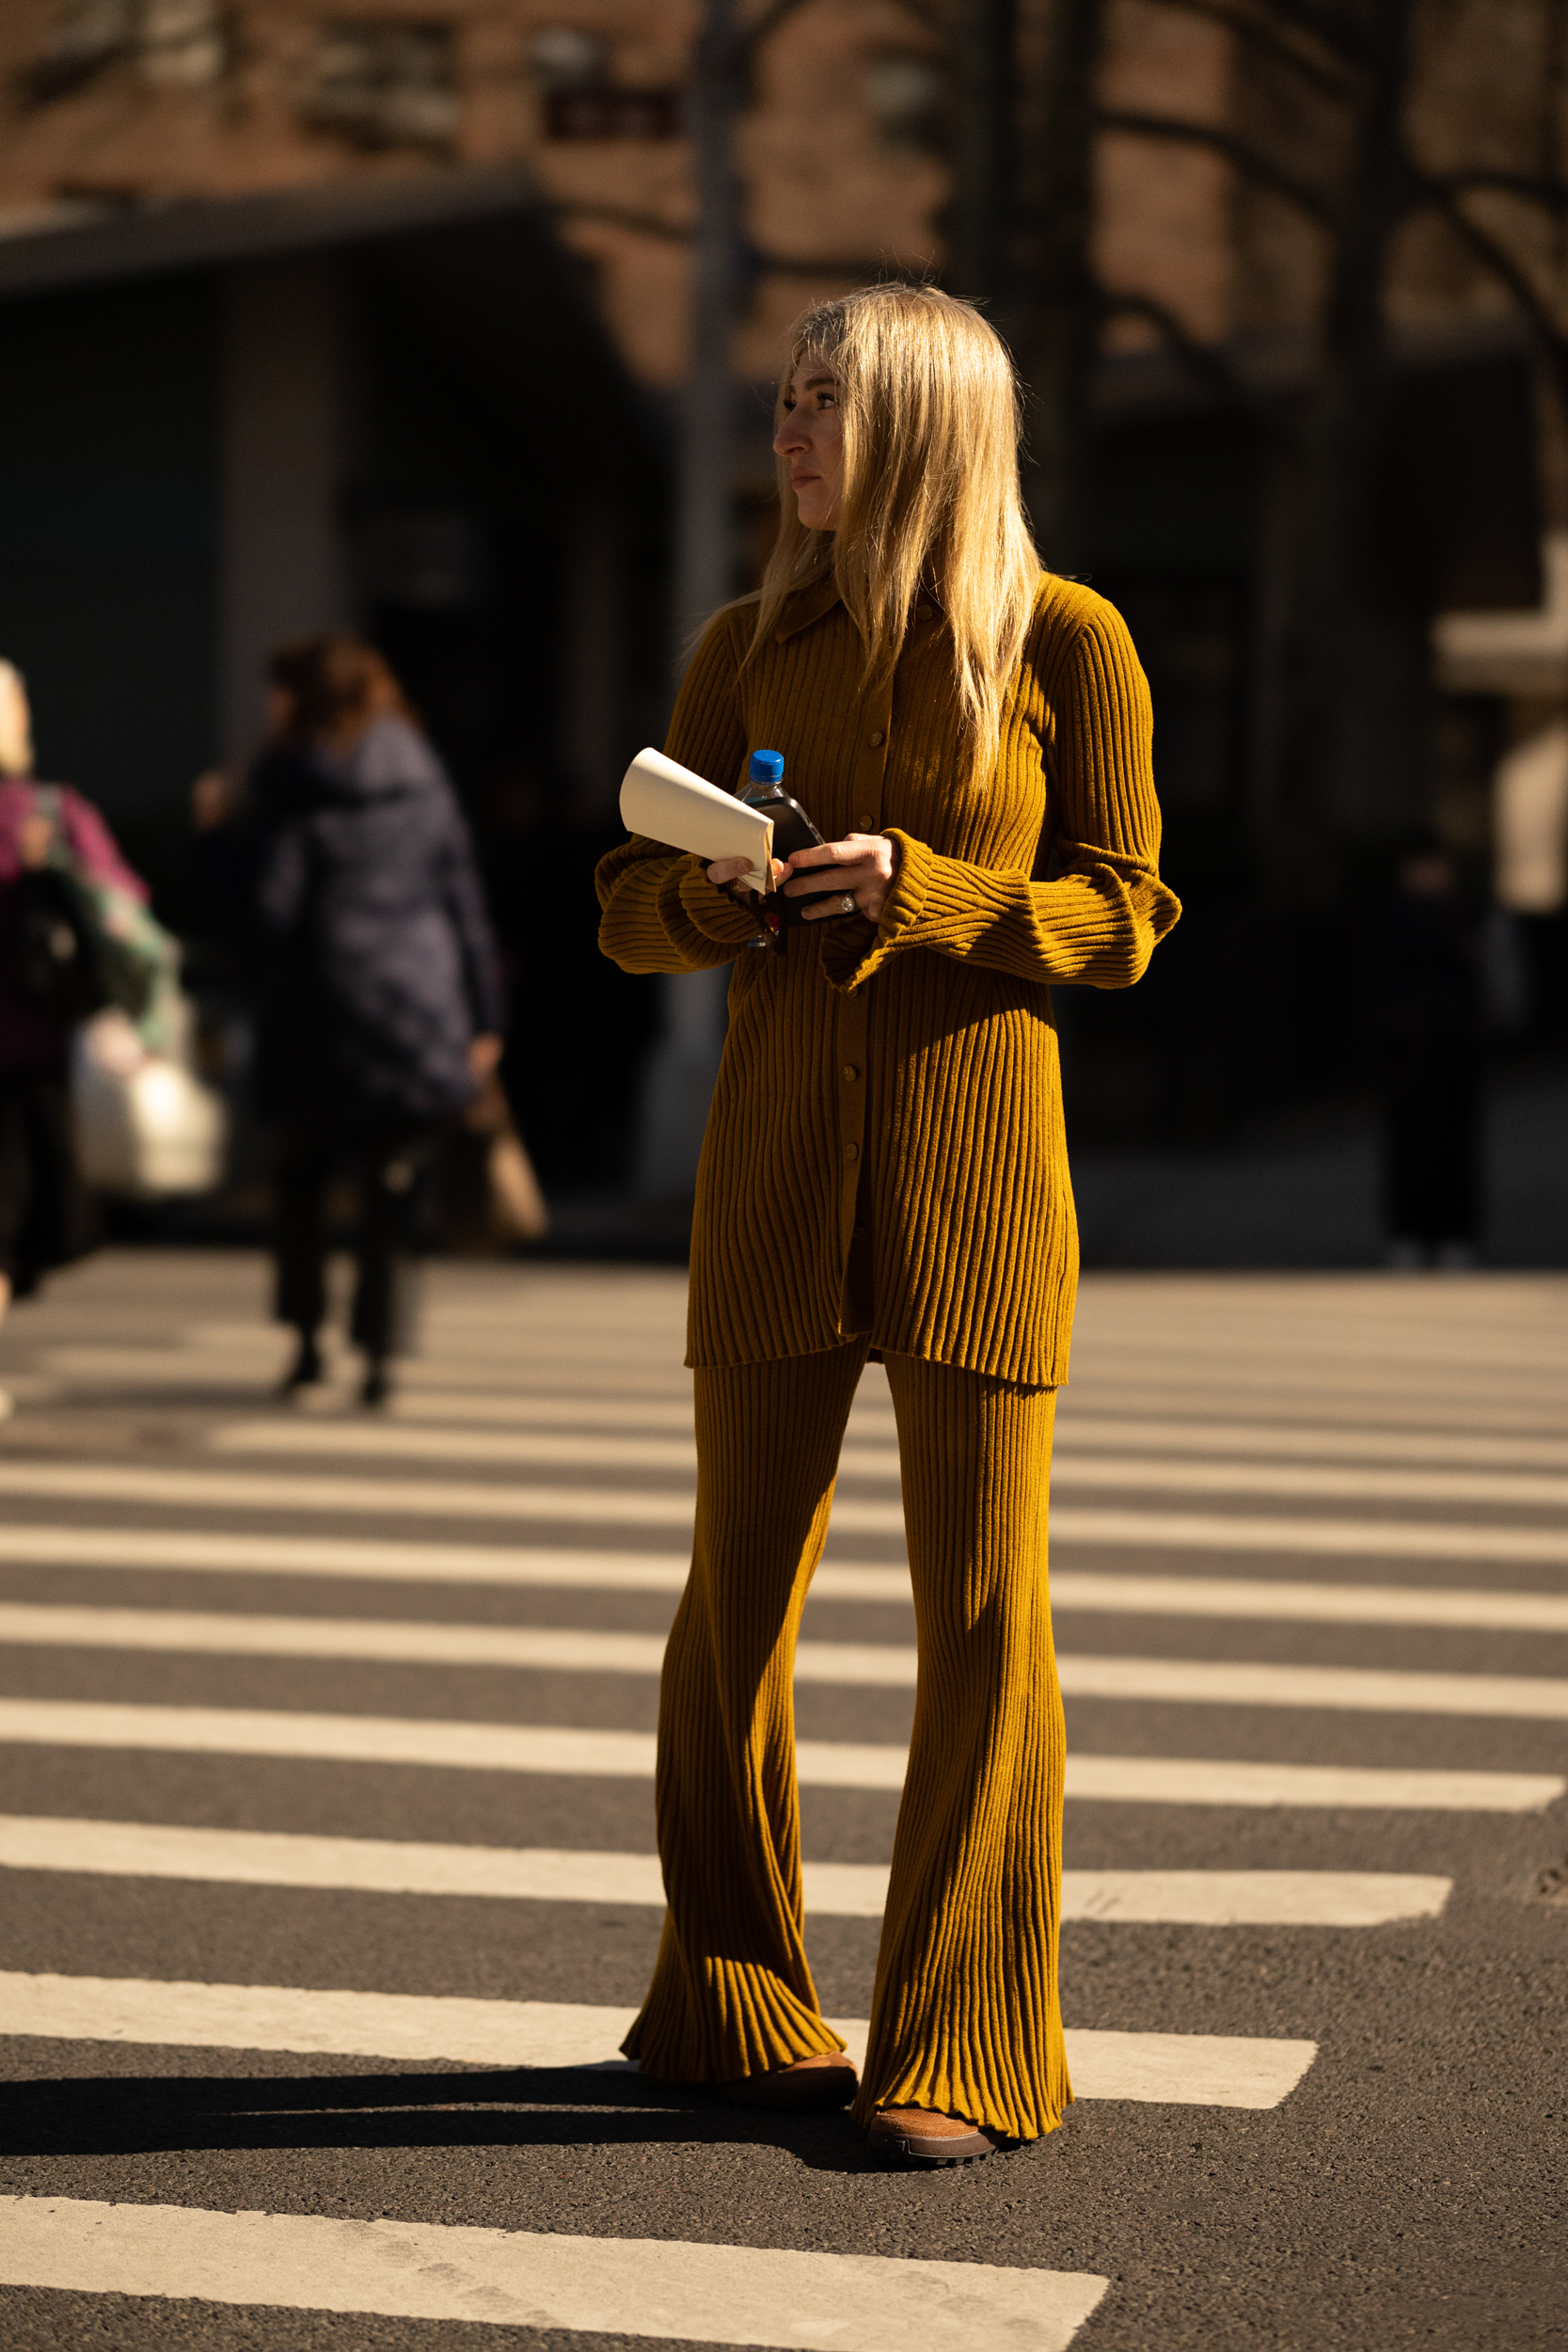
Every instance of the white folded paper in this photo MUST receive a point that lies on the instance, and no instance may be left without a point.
(665, 802)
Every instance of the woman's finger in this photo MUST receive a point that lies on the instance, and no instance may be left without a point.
(850, 853)
(829, 910)
(854, 877)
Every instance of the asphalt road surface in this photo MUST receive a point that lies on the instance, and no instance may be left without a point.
(327, 1836)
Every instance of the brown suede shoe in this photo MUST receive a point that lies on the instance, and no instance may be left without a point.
(811, 2087)
(924, 2136)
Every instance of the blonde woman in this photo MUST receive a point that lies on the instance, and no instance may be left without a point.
(884, 1175)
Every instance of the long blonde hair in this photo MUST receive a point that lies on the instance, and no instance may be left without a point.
(931, 493)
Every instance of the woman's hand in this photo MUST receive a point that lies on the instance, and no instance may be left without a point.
(34, 836)
(214, 800)
(725, 875)
(861, 868)
(484, 1053)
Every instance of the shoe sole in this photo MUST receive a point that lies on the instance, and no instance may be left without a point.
(933, 2156)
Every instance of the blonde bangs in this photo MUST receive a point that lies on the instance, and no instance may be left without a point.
(931, 496)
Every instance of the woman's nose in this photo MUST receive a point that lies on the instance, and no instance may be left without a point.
(788, 437)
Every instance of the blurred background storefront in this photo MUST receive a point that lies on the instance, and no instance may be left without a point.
(344, 314)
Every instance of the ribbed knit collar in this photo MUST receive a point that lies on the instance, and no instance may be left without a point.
(807, 605)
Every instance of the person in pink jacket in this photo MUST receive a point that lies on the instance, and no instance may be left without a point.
(46, 1214)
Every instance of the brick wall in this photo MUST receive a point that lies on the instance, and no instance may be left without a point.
(114, 100)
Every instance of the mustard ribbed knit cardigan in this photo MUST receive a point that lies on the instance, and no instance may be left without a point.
(905, 1074)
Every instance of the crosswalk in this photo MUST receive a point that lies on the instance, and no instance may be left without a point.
(553, 1748)
(451, 1620)
(589, 1650)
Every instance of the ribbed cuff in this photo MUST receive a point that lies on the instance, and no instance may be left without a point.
(714, 913)
(850, 957)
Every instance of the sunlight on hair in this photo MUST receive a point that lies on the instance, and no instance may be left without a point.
(931, 495)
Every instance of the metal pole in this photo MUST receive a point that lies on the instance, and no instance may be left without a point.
(705, 553)
(679, 1074)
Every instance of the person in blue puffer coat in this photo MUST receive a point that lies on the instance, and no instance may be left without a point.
(380, 1002)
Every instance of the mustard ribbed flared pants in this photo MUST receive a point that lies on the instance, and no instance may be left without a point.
(965, 2016)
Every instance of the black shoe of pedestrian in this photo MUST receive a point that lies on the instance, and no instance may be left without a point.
(306, 1370)
(376, 1387)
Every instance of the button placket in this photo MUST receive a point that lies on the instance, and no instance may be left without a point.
(851, 1112)
(871, 764)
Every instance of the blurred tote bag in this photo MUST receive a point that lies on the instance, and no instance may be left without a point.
(146, 1126)
(490, 1195)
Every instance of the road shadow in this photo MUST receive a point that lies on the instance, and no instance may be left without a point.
(514, 2108)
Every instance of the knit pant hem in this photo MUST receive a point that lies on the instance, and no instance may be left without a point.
(928, 2083)
(751, 2023)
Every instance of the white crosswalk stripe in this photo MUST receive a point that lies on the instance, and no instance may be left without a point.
(819, 1763)
(218, 1491)
(257, 1362)
(309, 1555)
(844, 1890)
(630, 1572)
(48, 1542)
(1076, 1430)
(1202, 1682)
(1182, 2070)
(1427, 1483)
(586, 1650)
(1314, 1604)
(376, 1497)
(599, 2286)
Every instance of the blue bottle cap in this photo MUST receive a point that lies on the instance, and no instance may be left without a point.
(767, 768)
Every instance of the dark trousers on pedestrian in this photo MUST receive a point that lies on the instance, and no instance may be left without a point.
(47, 1217)
(390, 1172)
(1431, 1134)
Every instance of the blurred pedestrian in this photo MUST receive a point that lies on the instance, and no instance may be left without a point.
(1429, 1003)
(380, 1011)
(885, 1174)
(55, 852)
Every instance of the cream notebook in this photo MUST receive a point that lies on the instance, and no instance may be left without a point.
(665, 802)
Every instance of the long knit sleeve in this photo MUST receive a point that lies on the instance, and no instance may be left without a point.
(888, 1111)
(1100, 918)
(659, 912)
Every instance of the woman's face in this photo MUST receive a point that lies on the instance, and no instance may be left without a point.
(811, 438)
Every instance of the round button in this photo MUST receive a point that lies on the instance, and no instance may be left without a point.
(852, 1151)
(864, 822)
(874, 738)
(850, 1072)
